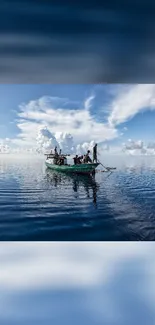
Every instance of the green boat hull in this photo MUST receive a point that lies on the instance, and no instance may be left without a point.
(74, 169)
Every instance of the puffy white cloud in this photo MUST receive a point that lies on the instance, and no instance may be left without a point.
(130, 101)
(46, 140)
(63, 120)
(43, 277)
(50, 121)
(65, 141)
(151, 145)
(139, 148)
(44, 265)
(71, 125)
(82, 148)
(51, 112)
(131, 145)
(4, 145)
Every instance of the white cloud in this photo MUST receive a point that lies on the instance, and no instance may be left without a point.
(87, 103)
(130, 101)
(82, 148)
(131, 145)
(79, 122)
(71, 125)
(4, 146)
(139, 148)
(55, 265)
(64, 123)
(151, 145)
(92, 280)
(46, 140)
(65, 141)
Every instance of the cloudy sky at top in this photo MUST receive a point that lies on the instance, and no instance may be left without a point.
(86, 283)
(80, 41)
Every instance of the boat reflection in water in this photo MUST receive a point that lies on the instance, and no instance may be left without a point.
(87, 182)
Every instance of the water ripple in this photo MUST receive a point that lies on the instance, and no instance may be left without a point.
(38, 204)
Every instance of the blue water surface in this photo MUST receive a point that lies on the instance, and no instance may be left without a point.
(38, 204)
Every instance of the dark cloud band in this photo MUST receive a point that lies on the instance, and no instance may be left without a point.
(77, 41)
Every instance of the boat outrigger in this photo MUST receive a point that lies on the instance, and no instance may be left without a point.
(83, 168)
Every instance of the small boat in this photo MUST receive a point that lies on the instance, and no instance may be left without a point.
(83, 168)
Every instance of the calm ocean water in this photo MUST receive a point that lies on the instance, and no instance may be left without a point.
(38, 204)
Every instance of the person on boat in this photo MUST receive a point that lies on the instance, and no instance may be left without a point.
(61, 161)
(60, 152)
(58, 161)
(75, 160)
(55, 160)
(55, 150)
(87, 158)
(95, 153)
(84, 159)
(79, 160)
(56, 156)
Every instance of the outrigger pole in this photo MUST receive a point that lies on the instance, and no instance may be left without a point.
(108, 169)
(52, 155)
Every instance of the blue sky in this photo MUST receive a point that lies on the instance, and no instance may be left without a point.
(109, 114)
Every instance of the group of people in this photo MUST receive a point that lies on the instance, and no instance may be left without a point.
(59, 159)
(86, 158)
